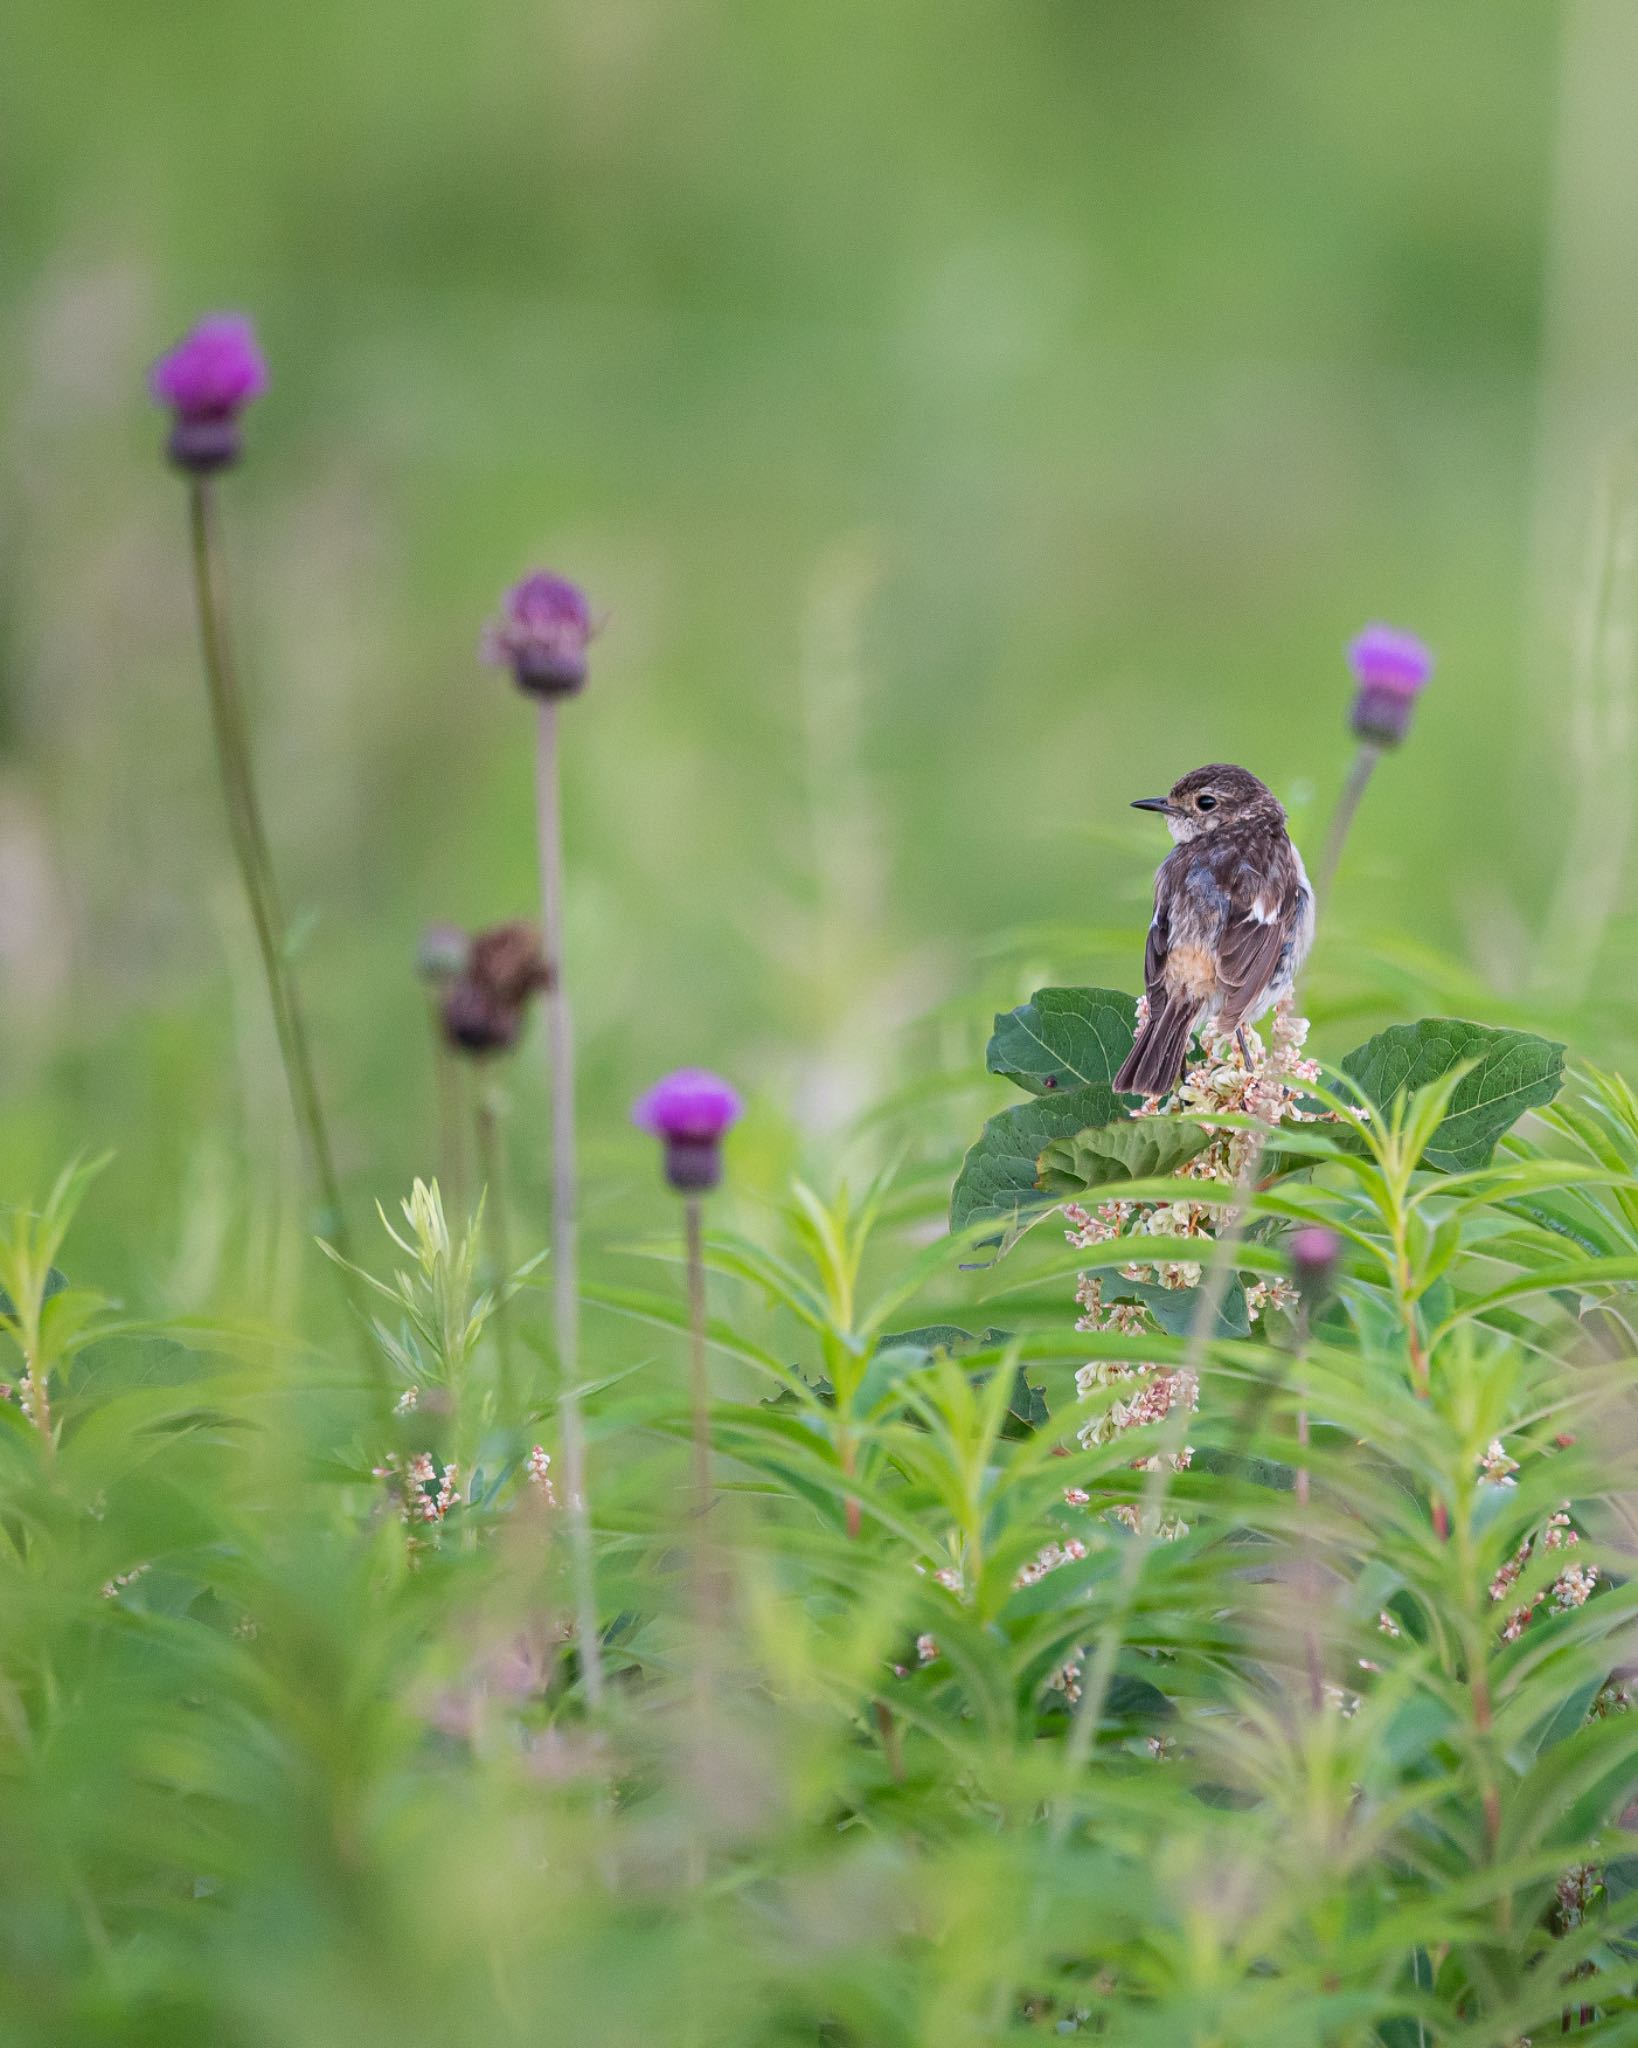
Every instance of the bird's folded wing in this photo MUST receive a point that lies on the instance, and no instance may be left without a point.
(1253, 938)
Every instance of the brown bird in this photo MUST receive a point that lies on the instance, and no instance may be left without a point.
(1234, 918)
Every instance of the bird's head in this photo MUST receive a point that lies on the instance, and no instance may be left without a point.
(1208, 798)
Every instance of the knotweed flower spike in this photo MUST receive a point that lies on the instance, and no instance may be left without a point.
(207, 380)
(542, 635)
(1270, 1086)
(690, 1111)
(1392, 670)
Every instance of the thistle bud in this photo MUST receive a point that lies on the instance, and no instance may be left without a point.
(689, 1112)
(484, 1004)
(1392, 669)
(507, 960)
(542, 635)
(207, 380)
(1315, 1253)
(442, 954)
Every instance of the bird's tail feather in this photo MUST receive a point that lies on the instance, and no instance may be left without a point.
(1160, 1052)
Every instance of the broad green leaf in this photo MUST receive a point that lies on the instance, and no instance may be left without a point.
(1174, 1308)
(1133, 1148)
(1064, 1038)
(1513, 1071)
(998, 1181)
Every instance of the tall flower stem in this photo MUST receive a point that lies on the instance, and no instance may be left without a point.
(497, 1218)
(1343, 817)
(565, 1221)
(451, 1138)
(699, 1385)
(255, 864)
(1310, 1587)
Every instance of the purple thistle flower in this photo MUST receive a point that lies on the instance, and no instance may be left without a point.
(689, 1110)
(1392, 669)
(207, 380)
(1315, 1253)
(542, 635)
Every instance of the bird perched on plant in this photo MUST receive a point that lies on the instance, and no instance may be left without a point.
(1234, 918)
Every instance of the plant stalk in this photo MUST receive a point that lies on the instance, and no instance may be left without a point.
(497, 1212)
(255, 864)
(1342, 818)
(699, 1386)
(565, 1223)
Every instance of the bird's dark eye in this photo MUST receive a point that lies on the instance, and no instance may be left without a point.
(1206, 803)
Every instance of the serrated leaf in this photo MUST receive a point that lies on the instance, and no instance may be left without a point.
(1513, 1071)
(1064, 1038)
(1133, 1148)
(998, 1180)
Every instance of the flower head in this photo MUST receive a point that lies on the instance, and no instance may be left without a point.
(1392, 669)
(484, 1003)
(542, 635)
(207, 380)
(1315, 1253)
(690, 1111)
(442, 954)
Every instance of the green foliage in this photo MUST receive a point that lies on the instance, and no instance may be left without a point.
(291, 1681)
(1000, 1178)
(1134, 1148)
(1064, 1038)
(1504, 1074)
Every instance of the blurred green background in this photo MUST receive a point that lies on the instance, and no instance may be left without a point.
(967, 417)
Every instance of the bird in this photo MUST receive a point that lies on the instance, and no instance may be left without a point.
(1234, 918)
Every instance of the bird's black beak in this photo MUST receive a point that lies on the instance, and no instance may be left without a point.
(1151, 803)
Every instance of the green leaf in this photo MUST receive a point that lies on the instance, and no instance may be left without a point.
(948, 1337)
(1134, 1148)
(55, 1283)
(1026, 1405)
(1064, 1038)
(998, 1180)
(1514, 1071)
(1173, 1308)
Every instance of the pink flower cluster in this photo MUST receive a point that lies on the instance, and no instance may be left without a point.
(424, 1492)
(1572, 1588)
(1269, 1086)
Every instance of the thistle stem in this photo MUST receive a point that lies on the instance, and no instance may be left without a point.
(565, 1223)
(1309, 1575)
(255, 864)
(497, 1212)
(699, 1386)
(1342, 818)
(451, 1138)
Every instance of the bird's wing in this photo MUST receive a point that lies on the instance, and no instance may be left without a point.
(1158, 943)
(1259, 921)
